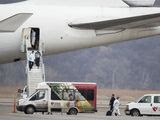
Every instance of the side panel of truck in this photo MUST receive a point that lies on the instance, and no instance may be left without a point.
(69, 95)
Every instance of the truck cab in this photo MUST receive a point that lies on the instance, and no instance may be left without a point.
(148, 104)
(37, 102)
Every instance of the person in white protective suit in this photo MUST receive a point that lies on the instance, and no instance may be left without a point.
(116, 105)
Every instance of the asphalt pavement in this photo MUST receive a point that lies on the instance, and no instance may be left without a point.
(6, 113)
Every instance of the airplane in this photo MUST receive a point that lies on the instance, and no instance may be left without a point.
(67, 25)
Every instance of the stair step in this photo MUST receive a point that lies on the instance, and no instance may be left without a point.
(34, 71)
(35, 75)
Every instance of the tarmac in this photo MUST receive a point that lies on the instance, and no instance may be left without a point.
(6, 113)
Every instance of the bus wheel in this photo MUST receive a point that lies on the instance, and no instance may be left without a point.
(29, 110)
(72, 111)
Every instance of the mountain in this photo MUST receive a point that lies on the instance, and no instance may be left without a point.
(127, 65)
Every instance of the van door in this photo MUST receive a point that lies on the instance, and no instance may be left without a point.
(40, 100)
(156, 105)
(145, 105)
(56, 100)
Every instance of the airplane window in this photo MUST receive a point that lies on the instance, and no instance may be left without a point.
(145, 99)
(156, 99)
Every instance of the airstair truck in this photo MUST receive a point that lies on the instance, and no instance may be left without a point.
(68, 97)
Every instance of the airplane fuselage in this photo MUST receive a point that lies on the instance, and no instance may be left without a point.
(53, 20)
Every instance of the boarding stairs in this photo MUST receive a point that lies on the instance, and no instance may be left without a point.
(37, 73)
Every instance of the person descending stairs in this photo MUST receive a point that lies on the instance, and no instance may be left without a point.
(33, 47)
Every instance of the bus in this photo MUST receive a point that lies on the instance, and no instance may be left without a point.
(68, 97)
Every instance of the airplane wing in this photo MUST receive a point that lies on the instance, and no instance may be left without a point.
(150, 20)
(12, 23)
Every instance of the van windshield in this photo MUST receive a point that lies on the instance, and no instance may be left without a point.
(145, 99)
(32, 94)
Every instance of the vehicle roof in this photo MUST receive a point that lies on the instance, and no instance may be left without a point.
(151, 94)
(73, 82)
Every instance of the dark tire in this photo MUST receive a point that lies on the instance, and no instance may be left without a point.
(72, 111)
(135, 112)
(29, 110)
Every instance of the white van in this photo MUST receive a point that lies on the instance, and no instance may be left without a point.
(69, 97)
(148, 104)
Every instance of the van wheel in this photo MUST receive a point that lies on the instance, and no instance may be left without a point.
(135, 112)
(72, 111)
(29, 110)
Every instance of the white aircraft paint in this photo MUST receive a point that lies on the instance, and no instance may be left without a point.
(53, 17)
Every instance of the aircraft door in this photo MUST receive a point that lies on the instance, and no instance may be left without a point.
(30, 39)
(34, 38)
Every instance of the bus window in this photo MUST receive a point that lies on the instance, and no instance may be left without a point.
(68, 94)
(54, 96)
(90, 94)
(83, 93)
(87, 94)
(79, 96)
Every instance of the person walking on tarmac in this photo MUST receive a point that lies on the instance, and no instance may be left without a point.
(116, 105)
(111, 102)
(31, 58)
(37, 58)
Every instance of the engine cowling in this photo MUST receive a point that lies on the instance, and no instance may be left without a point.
(140, 3)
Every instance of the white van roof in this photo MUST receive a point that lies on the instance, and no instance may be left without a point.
(71, 82)
(152, 95)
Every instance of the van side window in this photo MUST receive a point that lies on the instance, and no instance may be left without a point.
(156, 99)
(68, 94)
(54, 96)
(90, 94)
(38, 96)
(87, 94)
(145, 99)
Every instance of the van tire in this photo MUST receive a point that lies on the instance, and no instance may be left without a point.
(135, 112)
(72, 111)
(29, 110)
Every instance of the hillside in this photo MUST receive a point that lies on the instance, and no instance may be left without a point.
(128, 65)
